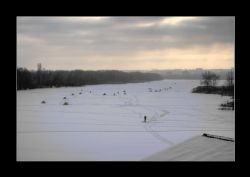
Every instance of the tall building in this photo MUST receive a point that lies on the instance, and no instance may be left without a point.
(39, 67)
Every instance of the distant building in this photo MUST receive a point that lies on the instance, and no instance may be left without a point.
(39, 67)
(198, 69)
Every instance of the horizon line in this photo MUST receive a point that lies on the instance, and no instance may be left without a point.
(130, 69)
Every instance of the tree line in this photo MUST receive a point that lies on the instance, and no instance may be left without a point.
(208, 85)
(209, 78)
(27, 79)
(209, 82)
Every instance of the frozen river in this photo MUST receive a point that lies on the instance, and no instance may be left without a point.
(110, 127)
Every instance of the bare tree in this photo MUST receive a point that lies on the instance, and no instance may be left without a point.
(206, 78)
(230, 78)
(215, 77)
(209, 79)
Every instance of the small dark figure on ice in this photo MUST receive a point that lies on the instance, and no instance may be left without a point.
(145, 119)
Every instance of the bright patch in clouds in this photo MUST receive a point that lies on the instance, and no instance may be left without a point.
(144, 25)
(83, 19)
(177, 20)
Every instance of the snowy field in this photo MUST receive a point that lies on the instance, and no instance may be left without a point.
(108, 127)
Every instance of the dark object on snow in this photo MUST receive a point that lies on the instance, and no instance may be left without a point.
(66, 103)
(80, 93)
(226, 108)
(64, 98)
(43, 102)
(72, 94)
(145, 118)
(229, 105)
(218, 137)
(104, 94)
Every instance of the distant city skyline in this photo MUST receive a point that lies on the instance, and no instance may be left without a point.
(125, 43)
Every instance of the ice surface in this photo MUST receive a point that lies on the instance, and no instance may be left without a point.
(106, 127)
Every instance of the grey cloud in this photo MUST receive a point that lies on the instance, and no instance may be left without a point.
(207, 31)
(119, 35)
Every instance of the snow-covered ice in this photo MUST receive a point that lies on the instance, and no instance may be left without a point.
(110, 127)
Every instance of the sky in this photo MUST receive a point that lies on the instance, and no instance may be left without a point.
(125, 43)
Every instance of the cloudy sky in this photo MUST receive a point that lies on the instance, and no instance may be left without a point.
(125, 43)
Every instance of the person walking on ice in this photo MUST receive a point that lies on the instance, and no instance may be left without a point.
(145, 119)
